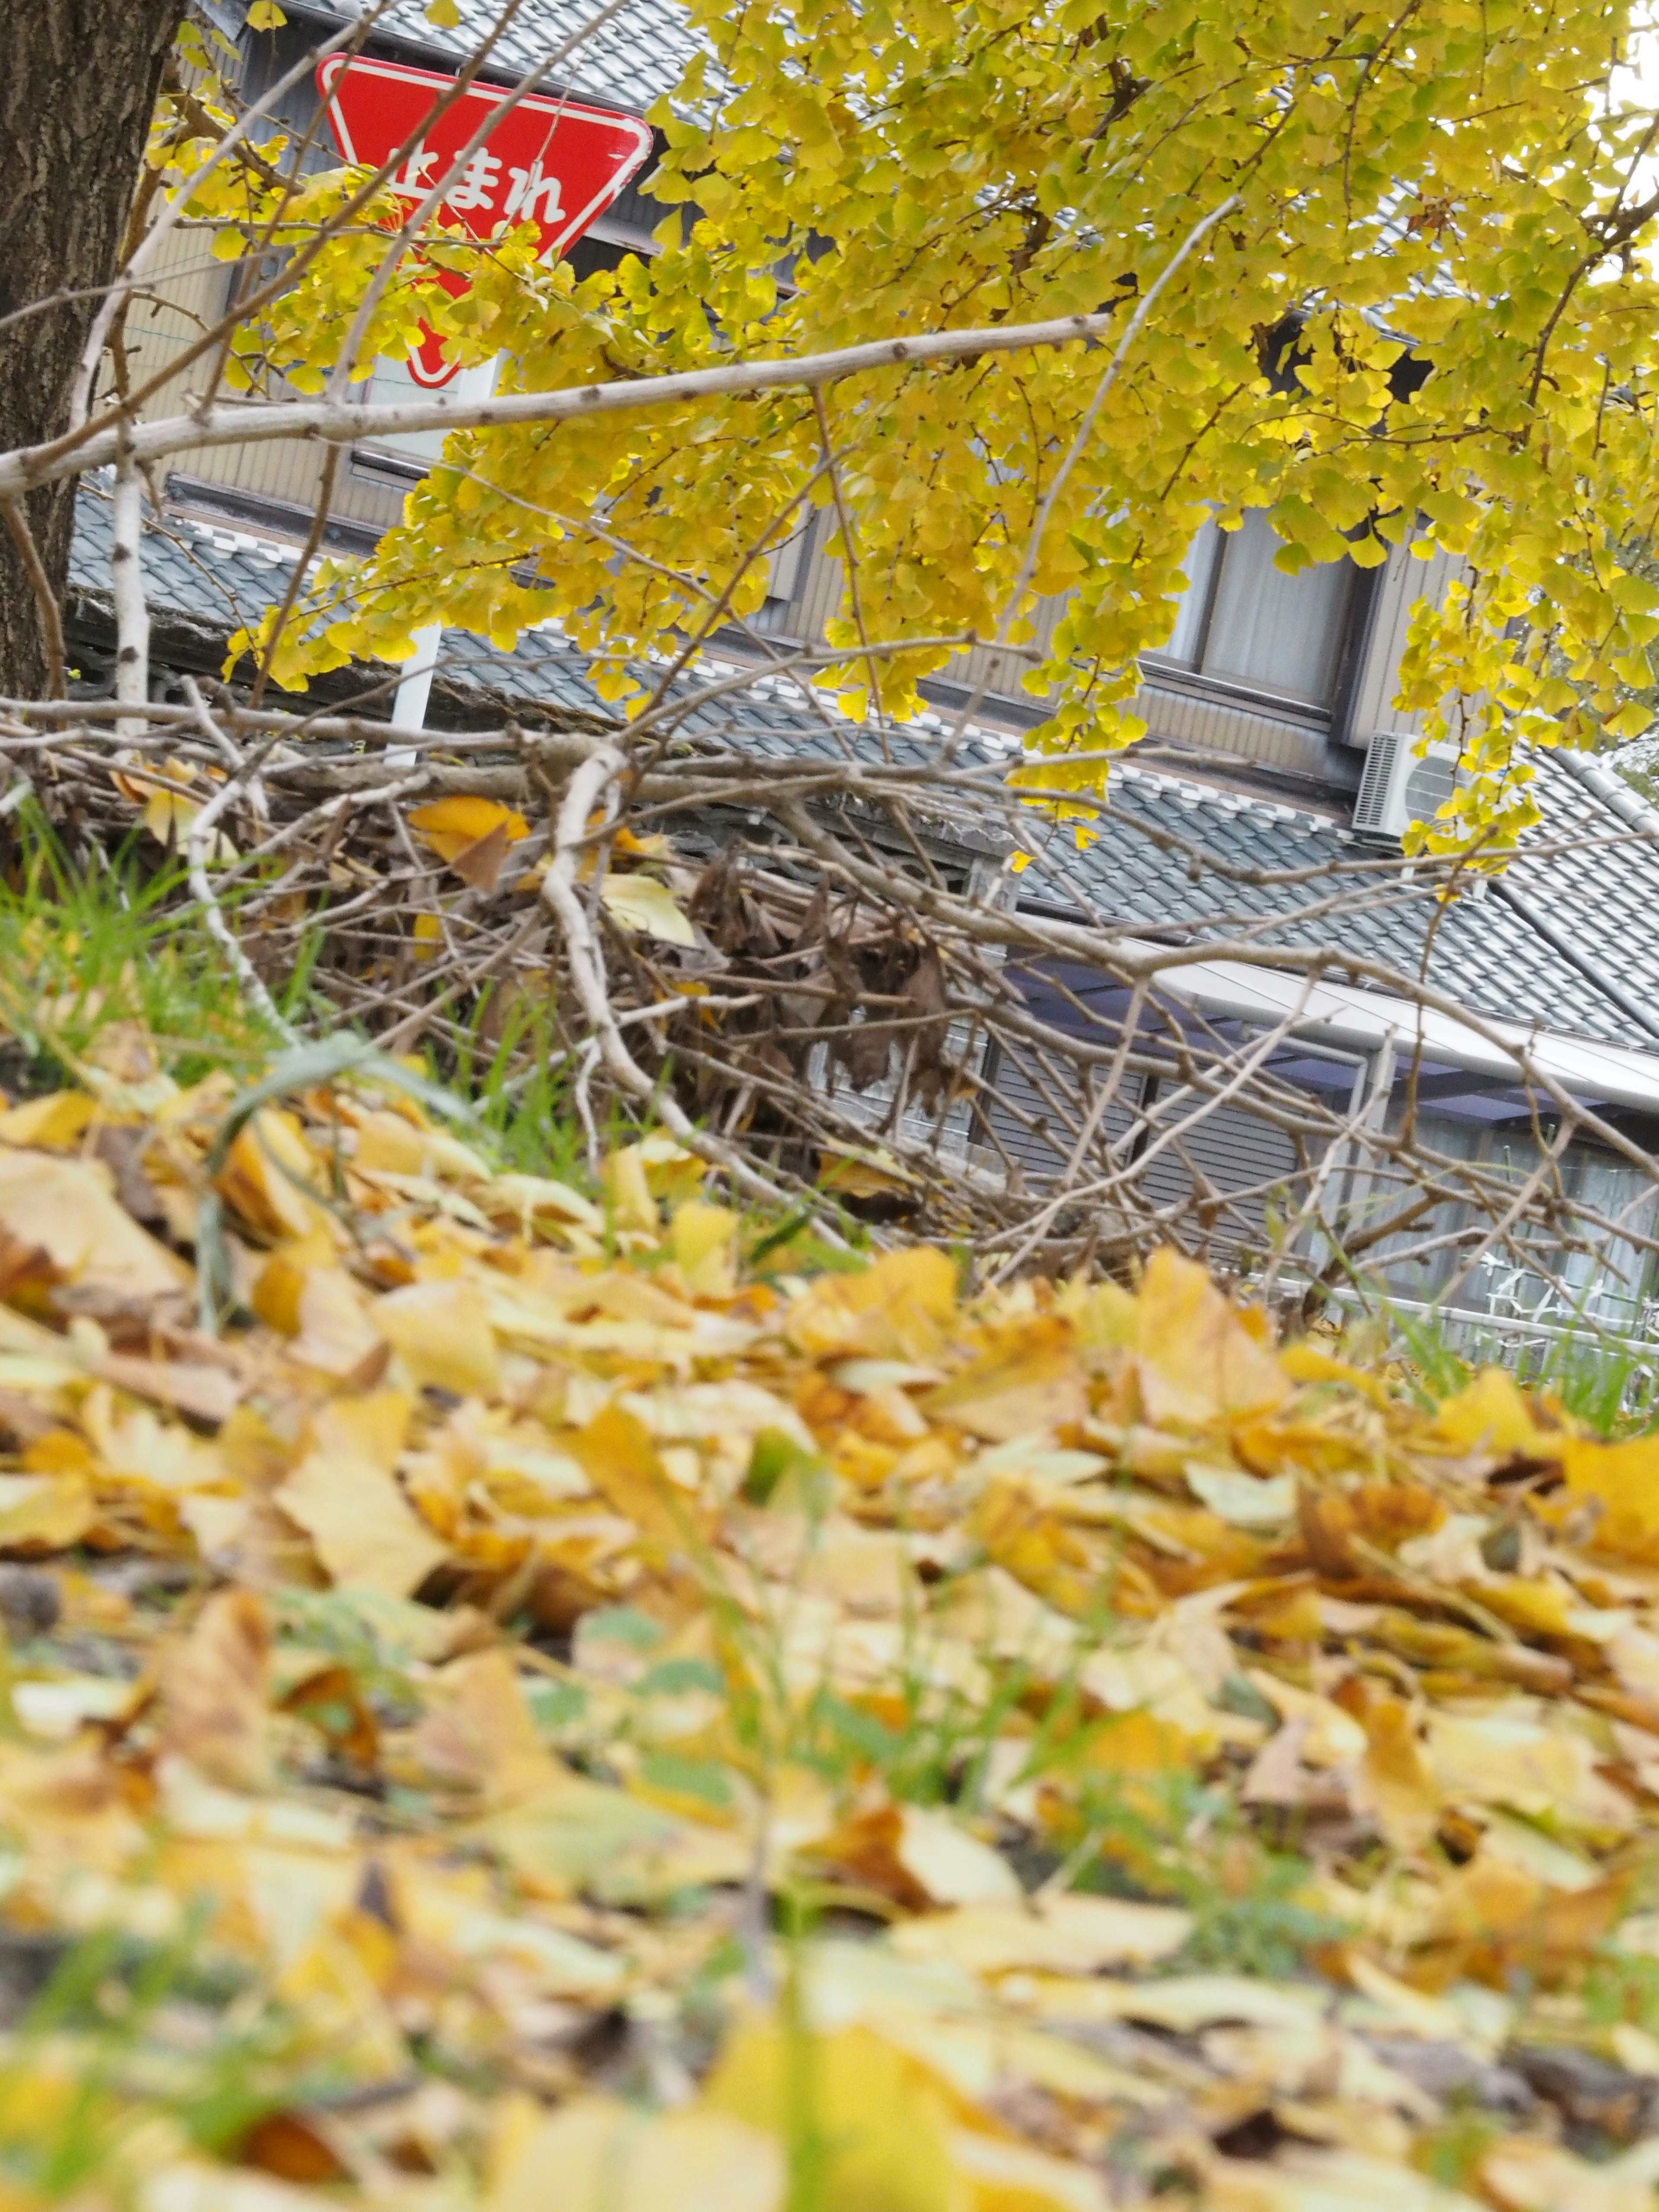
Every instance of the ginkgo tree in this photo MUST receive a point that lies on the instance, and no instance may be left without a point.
(1380, 271)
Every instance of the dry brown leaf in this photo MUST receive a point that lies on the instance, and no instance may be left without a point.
(212, 1696)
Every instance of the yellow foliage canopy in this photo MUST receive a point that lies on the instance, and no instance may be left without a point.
(1427, 316)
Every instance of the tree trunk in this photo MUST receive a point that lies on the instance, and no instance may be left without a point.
(78, 85)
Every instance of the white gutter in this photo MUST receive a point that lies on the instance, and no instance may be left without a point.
(1342, 1013)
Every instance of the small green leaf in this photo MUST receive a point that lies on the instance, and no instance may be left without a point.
(675, 1678)
(444, 14)
(555, 1704)
(687, 1778)
(623, 1623)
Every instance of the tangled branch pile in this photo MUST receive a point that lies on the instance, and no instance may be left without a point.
(806, 960)
(510, 1689)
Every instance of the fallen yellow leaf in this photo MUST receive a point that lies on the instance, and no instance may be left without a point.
(450, 825)
(1196, 1358)
(343, 1494)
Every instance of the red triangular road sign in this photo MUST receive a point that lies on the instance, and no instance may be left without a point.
(548, 161)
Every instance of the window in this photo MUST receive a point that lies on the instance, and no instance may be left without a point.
(409, 454)
(1244, 621)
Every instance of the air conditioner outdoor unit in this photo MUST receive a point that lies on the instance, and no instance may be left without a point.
(1400, 785)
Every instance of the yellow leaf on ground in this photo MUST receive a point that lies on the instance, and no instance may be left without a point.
(1196, 1359)
(389, 1145)
(213, 1691)
(951, 1864)
(1066, 1934)
(878, 2122)
(627, 1189)
(917, 1857)
(895, 1309)
(1397, 1784)
(1010, 2177)
(442, 1333)
(620, 1460)
(1514, 1759)
(69, 1210)
(599, 2155)
(343, 1494)
(269, 1174)
(53, 1122)
(1492, 1414)
(1026, 1382)
(1535, 2176)
(479, 1733)
(44, 1512)
(337, 1331)
(574, 1833)
(869, 1172)
(704, 1239)
(1624, 1478)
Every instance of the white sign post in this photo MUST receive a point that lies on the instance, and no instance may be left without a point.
(409, 702)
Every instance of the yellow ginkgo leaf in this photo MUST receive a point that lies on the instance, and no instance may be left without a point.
(704, 1239)
(54, 1122)
(880, 2117)
(1197, 1357)
(68, 1210)
(864, 1172)
(642, 904)
(1492, 1414)
(607, 2155)
(450, 825)
(442, 1333)
(345, 1498)
(1623, 1478)
(265, 16)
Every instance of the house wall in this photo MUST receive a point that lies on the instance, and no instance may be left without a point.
(1405, 581)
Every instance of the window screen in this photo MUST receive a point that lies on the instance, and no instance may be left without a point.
(1245, 621)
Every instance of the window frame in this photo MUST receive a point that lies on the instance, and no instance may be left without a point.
(1333, 717)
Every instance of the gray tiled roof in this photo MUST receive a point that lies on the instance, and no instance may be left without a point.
(215, 580)
(1481, 950)
(1169, 851)
(631, 61)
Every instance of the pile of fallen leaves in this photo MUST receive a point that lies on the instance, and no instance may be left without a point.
(516, 1699)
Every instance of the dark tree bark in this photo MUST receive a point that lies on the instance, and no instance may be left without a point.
(78, 85)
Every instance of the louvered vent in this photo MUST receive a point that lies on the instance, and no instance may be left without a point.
(1371, 808)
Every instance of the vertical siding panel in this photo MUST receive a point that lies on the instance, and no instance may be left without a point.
(1405, 581)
